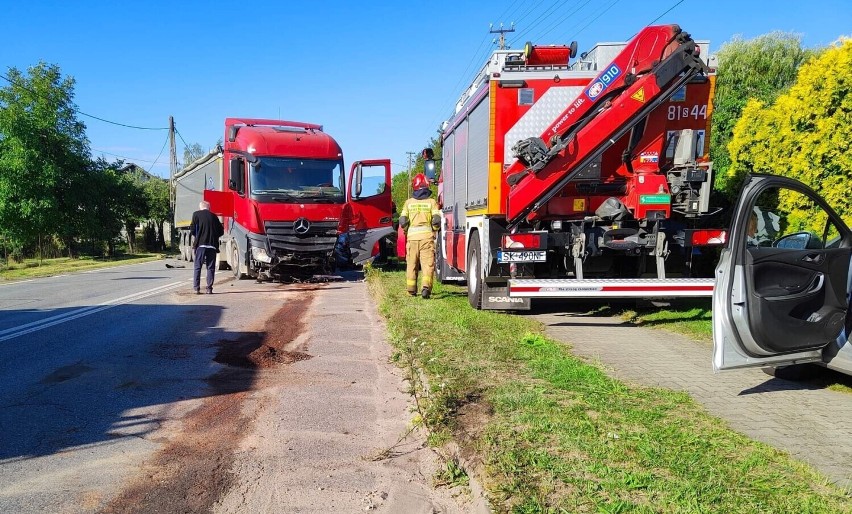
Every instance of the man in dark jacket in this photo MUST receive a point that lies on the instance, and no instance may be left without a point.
(206, 229)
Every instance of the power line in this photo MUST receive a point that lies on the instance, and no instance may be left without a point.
(665, 13)
(181, 138)
(509, 8)
(151, 167)
(587, 25)
(559, 21)
(541, 18)
(78, 111)
(124, 157)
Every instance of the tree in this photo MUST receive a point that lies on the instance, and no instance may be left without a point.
(159, 210)
(192, 152)
(43, 156)
(760, 68)
(102, 220)
(806, 134)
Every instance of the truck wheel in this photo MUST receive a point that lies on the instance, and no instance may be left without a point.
(235, 262)
(474, 271)
(439, 259)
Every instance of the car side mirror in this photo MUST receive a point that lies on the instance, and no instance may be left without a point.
(799, 241)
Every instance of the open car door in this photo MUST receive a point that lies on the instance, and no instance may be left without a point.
(370, 206)
(782, 284)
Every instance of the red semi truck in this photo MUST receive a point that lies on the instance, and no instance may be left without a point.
(581, 179)
(287, 206)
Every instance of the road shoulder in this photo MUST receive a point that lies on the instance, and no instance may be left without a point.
(327, 429)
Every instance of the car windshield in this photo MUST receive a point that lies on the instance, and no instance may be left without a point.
(277, 179)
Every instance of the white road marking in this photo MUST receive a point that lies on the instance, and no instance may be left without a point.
(11, 333)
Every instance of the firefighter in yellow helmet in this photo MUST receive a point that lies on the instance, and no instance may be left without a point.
(420, 218)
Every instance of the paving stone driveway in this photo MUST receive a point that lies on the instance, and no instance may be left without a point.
(810, 422)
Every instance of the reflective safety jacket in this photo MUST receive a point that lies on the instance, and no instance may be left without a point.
(422, 215)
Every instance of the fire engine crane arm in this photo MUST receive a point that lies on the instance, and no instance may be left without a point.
(650, 69)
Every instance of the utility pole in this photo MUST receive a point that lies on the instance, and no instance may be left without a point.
(409, 171)
(172, 162)
(502, 33)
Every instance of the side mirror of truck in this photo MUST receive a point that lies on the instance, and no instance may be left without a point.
(430, 169)
(358, 176)
(235, 174)
(232, 133)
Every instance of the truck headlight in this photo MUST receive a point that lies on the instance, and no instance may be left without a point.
(260, 255)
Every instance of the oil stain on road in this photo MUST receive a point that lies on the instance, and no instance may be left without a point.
(193, 470)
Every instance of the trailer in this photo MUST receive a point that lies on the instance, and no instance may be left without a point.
(588, 178)
(189, 185)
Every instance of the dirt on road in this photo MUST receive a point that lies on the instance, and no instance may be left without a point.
(194, 469)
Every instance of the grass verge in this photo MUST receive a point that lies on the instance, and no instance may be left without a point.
(692, 318)
(550, 433)
(32, 268)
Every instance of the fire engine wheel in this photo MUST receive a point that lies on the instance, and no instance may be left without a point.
(474, 271)
(439, 260)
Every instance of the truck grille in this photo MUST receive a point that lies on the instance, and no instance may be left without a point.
(320, 237)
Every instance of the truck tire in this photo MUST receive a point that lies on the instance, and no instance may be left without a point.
(223, 264)
(474, 271)
(439, 259)
(235, 262)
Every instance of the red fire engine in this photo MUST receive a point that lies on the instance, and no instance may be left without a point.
(579, 179)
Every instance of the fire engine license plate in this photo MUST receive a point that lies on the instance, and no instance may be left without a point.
(532, 256)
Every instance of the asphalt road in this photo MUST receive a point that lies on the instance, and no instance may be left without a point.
(99, 367)
(124, 392)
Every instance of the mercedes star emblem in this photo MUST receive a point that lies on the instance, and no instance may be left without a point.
(301, 226)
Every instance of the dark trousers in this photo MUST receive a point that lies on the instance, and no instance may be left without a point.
(206, 256)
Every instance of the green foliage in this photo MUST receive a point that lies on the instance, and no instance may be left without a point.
(805, 134)
(759, 69)
(43, 156)
(52, 195)
(192, 152)
(401, 183)
(554, 433)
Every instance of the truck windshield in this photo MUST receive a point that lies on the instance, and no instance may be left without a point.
(278, 179)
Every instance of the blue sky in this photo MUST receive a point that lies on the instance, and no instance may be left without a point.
(380, 76)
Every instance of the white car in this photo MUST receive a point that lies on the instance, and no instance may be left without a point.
(784, 281)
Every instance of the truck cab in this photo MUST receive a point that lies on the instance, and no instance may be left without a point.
(287, 206)
(784, 282)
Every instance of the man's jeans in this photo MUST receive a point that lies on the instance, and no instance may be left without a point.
(206, 256)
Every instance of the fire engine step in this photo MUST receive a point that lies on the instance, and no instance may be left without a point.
(611, 288)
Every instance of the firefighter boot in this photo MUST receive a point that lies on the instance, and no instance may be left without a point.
(426, 292)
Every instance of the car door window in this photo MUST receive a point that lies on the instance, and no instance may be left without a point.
(788, 219)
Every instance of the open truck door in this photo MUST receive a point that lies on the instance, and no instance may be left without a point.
(370, 204)
(782, 284)
(221, 202)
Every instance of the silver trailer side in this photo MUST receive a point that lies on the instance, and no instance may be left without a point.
(189, 186)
